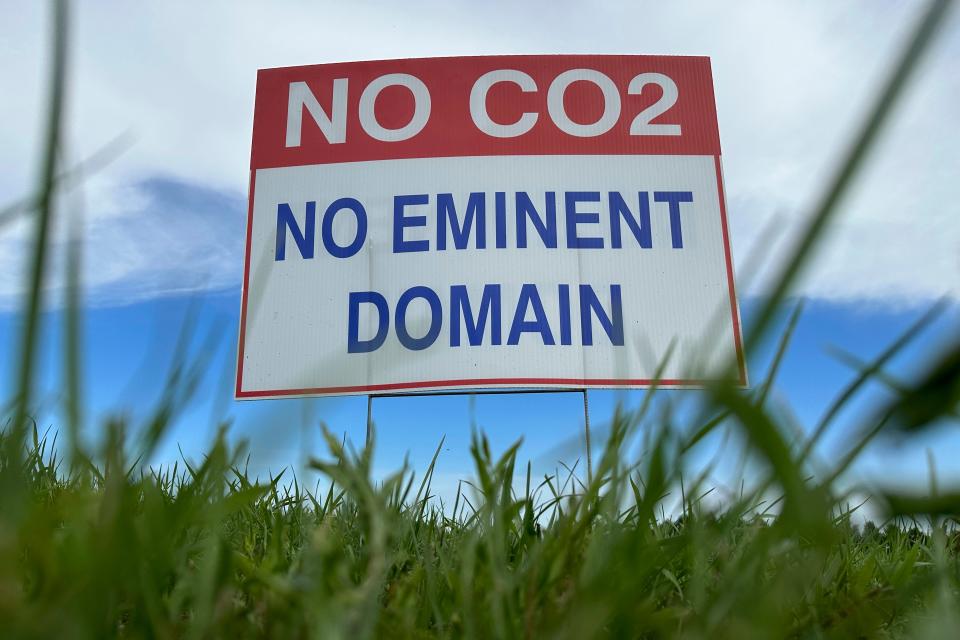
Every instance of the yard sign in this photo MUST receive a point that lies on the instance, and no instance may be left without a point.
(486, 222)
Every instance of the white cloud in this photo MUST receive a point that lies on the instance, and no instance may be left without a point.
(152, 238)
(792, 82)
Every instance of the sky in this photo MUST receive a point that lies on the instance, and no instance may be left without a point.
(164, 222)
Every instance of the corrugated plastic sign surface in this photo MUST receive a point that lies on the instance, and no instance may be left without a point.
(486, 222)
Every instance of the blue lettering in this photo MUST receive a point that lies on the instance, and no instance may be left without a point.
(489, 308)
(674, 198)
(401, 222)
(304, 239)
(588, 302)
(354, 343)
(436, 318)
(564, 290)
(327, 229)
(530, 297)
(476, 212)
(571, 198)
(546, 228)
(500, 203)
(641, 229)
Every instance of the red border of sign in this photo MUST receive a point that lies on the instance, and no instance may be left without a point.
(481, 383)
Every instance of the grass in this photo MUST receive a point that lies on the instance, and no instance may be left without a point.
(204, 551)
(99, 544)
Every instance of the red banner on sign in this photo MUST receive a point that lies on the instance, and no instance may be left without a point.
(484, 106)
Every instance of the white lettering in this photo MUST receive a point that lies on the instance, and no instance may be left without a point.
(333, 127)
(558, 113)
(421, 110)
(478, 103)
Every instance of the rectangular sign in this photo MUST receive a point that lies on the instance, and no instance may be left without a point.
(484, 222)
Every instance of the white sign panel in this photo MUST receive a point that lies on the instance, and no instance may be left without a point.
(462, 223)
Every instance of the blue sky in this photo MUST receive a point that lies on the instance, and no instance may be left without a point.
(130, 348)
(165, 222)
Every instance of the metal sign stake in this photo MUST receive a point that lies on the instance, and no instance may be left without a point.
(586, 427)
(369, 420)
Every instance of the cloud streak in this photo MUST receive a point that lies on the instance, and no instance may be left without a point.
(792, 81)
